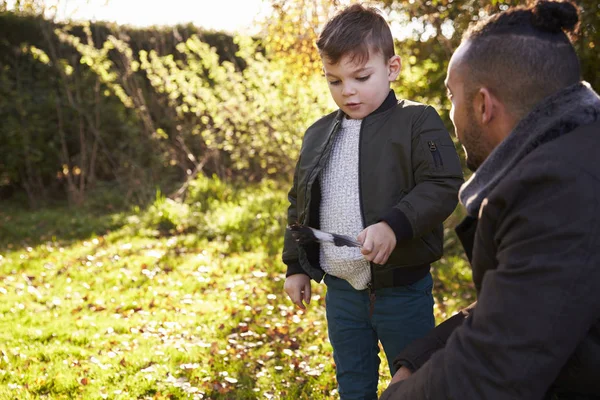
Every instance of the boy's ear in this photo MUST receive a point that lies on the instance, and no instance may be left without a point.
(394, 66)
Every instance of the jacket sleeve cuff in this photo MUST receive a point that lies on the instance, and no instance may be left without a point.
(420, 350)
(399, 224)
(294, 268)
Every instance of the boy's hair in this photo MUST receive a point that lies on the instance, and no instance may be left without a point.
(523, 54)
(356, 30)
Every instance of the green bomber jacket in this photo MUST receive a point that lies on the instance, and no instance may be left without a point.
(409, 177)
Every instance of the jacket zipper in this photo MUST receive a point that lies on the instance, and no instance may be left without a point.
(435, 153)
(308, 181)
(371, 284)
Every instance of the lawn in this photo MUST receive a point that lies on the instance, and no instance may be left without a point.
(179, 300)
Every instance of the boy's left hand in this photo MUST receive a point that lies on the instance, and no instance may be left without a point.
(378, 242)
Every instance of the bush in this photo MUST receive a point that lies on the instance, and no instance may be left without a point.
(254, 218)
(204, 192)
(246, 218)
(166, 216)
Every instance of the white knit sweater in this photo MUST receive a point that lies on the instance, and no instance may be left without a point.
(340, 207)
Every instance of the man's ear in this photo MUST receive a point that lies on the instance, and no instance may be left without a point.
(485, 105)
(394, 67)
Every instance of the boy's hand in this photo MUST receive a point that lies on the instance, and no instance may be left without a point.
(378, 242)
(298, 288)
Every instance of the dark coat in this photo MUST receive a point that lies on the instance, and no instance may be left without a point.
(535, 254)
(409, 176)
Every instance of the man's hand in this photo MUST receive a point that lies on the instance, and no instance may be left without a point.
(401, 375)
(298, 288)
(378, 242)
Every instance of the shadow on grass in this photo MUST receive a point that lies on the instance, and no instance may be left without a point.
(21, 227)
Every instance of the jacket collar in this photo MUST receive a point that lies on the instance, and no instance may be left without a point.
(389, 102)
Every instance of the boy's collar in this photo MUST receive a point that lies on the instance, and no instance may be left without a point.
(389, 102)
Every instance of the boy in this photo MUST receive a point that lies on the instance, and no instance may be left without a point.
(383, 171)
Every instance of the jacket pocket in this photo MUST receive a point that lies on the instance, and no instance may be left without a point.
(441, 155)
(438, 161)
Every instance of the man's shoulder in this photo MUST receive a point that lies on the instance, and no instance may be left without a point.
(570, 155)
(566, 164)
(578, 145)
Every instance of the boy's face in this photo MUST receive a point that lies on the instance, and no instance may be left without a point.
(360, 88)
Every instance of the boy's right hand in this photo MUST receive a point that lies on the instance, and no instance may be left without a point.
(297, 286)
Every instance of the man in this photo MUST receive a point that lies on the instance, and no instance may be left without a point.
(531, 130)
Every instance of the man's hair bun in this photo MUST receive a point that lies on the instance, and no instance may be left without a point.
(555, 16)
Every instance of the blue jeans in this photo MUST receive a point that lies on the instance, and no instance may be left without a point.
(400, 315)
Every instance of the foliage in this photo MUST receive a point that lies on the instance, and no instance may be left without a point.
(206, 193)
(215, 210)
(166, 215)
(150, 112)
(61, 127)
(255, 116)
(291, 33)
(437, 30)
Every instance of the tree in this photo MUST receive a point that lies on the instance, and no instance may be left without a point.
(439, 25)
(291, 32)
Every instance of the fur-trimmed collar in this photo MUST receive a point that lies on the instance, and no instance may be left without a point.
(557, 115)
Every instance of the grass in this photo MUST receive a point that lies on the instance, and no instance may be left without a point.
(178, 301)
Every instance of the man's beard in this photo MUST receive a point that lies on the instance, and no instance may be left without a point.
(474, 145)
(471, 165)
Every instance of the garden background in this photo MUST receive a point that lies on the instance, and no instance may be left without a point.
(143, 180)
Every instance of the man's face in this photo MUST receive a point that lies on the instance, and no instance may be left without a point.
(360, 88)
(469, 131)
